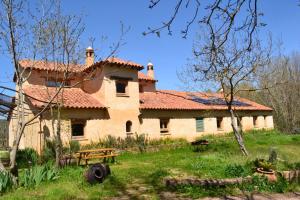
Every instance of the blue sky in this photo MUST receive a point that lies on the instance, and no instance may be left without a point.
(167, 53)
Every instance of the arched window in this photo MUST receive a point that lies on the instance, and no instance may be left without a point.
(128, 126)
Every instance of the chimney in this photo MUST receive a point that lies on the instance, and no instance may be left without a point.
(89, 56)
(150, 71)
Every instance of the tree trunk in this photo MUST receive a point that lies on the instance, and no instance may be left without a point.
(237, 134)
(58, 147)
(58, 142)
(13, 152)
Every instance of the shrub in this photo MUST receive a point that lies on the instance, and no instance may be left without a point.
(27, 157)
(234, 170)
(74, 146)
(265, 165)
(141, 141)
(4, 154)
(6, 181)
(5, 157)
(49, 151)
(110, 141)
(273, 157)
(36, 175)
(261, 184)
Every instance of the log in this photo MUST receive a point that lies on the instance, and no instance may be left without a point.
(173, 182)
(291, 176)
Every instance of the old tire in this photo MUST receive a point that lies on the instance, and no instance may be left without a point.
(96, 173)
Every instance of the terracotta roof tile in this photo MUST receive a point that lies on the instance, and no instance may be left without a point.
(72, 97)
(176, 100)
(120, 61)
(116, 61)
(55, 66)
(143, 76)
(50, 66)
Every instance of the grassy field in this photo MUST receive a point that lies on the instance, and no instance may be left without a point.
(136, 175)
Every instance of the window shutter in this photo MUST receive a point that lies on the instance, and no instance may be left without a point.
(199, 124)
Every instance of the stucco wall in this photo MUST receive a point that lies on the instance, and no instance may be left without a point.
(183, 123)
(101, 123)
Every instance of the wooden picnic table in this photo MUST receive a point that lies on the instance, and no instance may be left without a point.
(89, 154)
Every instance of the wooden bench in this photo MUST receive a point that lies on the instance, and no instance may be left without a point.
(104, 153)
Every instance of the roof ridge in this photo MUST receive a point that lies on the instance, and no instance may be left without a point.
(49, 61)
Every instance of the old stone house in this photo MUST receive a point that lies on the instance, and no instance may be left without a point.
(113, 97)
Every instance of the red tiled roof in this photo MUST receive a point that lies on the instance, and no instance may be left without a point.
(175, 100)
(143, 76)
(72, 97)
(55, 66)
(117, 61)
(50, 66)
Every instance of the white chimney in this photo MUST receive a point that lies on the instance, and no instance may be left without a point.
(89, 56)
(150, 71)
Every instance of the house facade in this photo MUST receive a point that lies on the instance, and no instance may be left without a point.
(113, 97)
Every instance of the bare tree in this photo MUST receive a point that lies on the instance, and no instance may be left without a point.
(19, 42)
(57, 37)
(282, 78)
(228, 52)
(223, 13)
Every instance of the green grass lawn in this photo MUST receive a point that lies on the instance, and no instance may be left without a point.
(142, 173)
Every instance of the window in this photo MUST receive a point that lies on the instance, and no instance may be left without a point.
(121, 87)
(77, 128)
(220, 123)
(199, 124)
(128, 127)
(255, 121)
(164, 125)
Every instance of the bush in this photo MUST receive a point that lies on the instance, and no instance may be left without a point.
(27, 157)
(6, 181)
(5, 157)
(273, 157)
(265, 165)
(36, 175)
(234, 170)
(49, 151)
(261, 184)
(110, 141)
(74, 146)
(141, 141)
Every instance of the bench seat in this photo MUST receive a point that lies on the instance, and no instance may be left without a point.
(99, 156)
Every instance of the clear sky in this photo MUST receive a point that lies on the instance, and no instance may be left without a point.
(167, 53)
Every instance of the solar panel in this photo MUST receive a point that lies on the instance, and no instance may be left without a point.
(216, 101)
